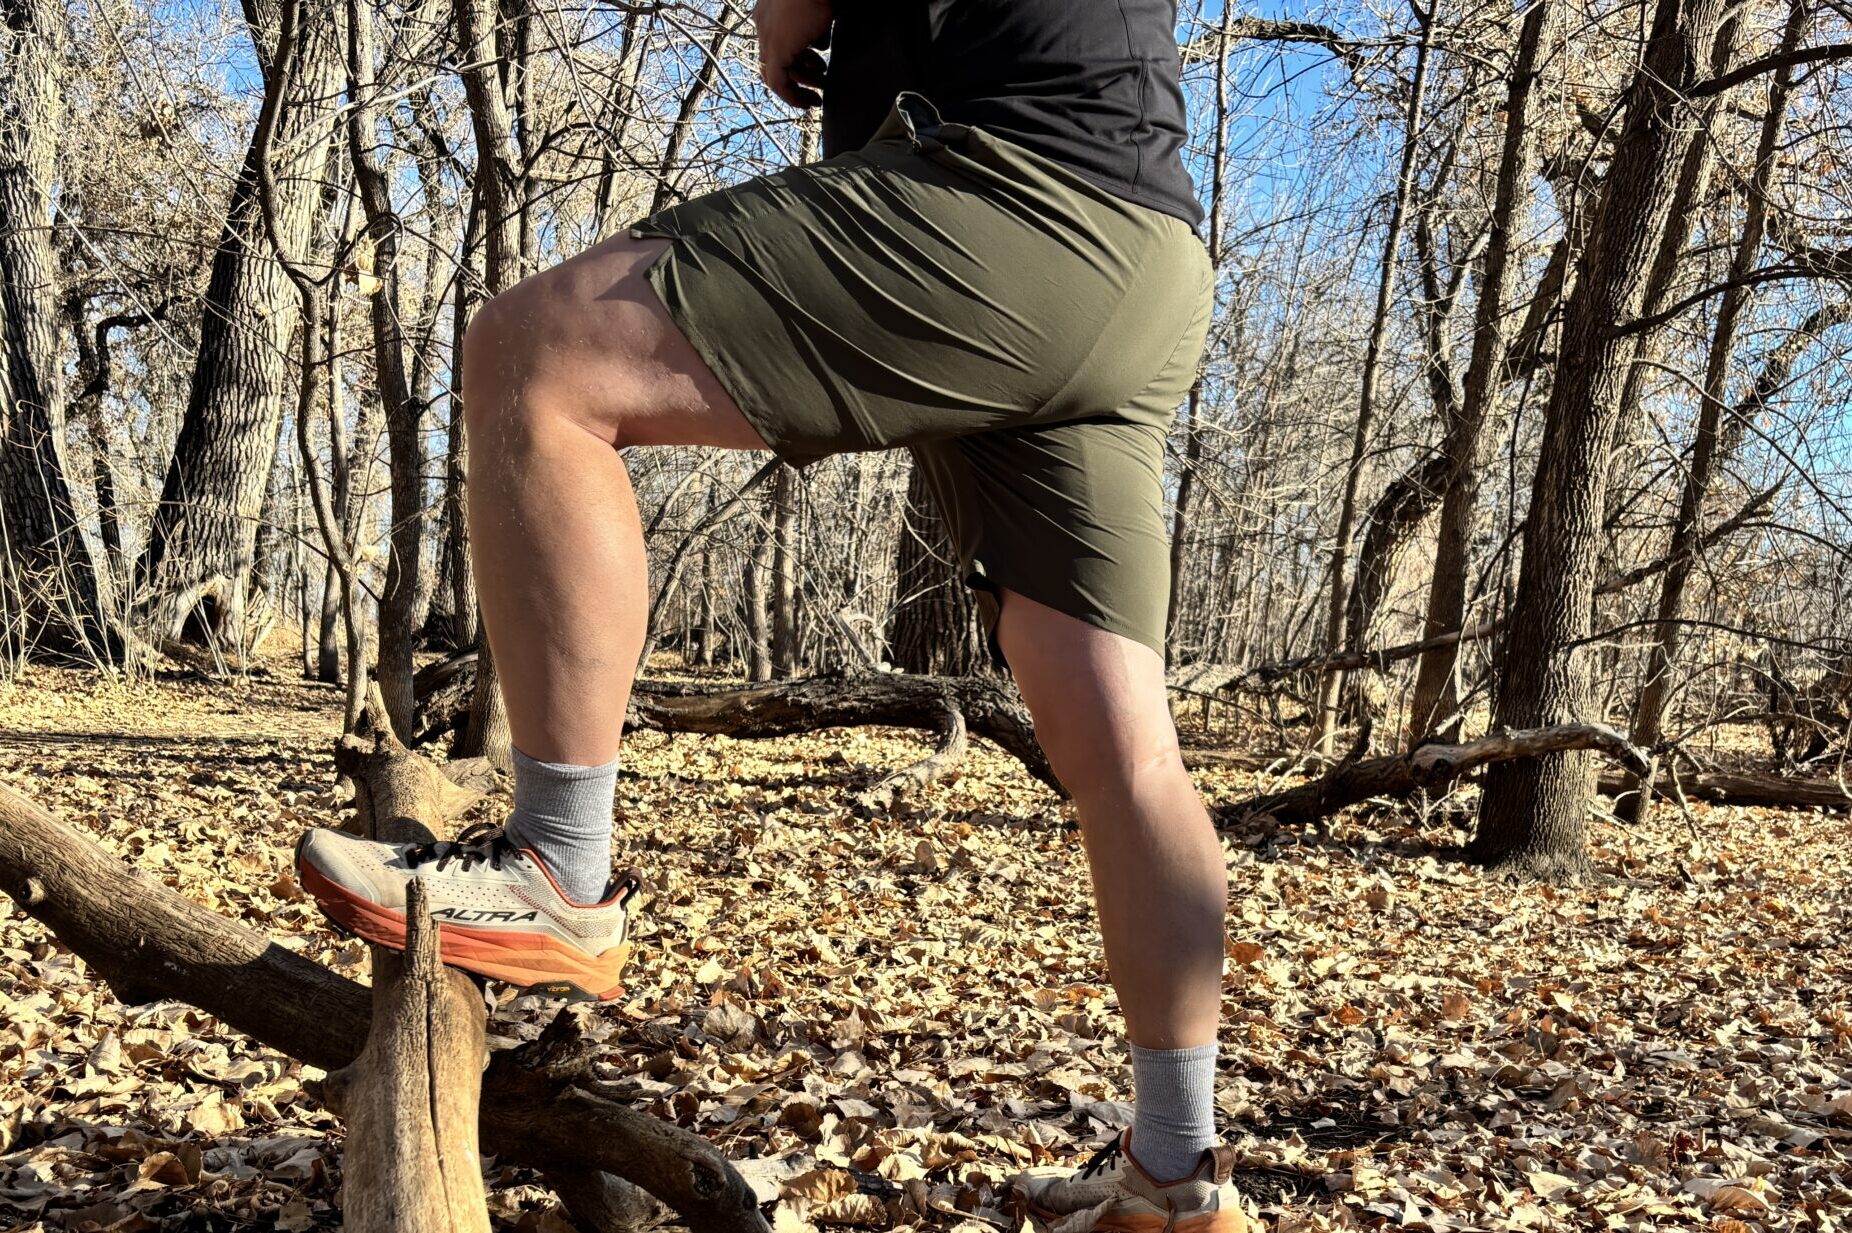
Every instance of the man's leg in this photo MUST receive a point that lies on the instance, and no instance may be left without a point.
(1159, 878)
(559, 373)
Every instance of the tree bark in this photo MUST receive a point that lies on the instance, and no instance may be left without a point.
(1193, 405)
(45, 564)
(202, 543)
(411, 1098)
(501, 197)
(1533, 815)
(95, 374)
(1650, 708)
(784, 573)
(935, 627)
(1433, 766)
(388, 311)
(1437, 697)
(757, 612)
(1428, 766)
(409, 1162)
(1331, 687)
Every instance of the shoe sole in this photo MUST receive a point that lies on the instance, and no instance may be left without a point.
(1226, 1221)
(533, 962)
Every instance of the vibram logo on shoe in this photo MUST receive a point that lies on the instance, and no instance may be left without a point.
(481, 916)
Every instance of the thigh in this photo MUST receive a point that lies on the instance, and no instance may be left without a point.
(1098, 698)
(593, 334)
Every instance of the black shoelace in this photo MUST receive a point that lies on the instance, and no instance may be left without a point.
(1103, 1159)
(483, 842)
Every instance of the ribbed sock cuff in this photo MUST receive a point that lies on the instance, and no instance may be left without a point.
(1173, 1117)
(563, 812)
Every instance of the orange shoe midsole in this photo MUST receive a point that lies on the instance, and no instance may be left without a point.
(1228, 1220)
(515, 956)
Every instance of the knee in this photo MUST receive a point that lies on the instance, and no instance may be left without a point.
(519, 375)
(491, 369)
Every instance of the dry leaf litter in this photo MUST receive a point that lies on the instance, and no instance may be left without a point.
(883, 1019)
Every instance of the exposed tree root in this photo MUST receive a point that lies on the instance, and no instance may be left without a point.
(909, 781)
(1556, 868)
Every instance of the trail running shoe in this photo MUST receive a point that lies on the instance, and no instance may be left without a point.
(499, 912)
(1112, 1193)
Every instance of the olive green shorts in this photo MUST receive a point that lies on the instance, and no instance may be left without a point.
(1025, 333)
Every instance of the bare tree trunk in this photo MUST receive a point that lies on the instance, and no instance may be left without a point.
(1694, 181)
(95, 374)
(500, 195)
(707, 629)
(328, 634)
(935, 627)
(1192, 409)
(1331, 687)
(1533, 814)
(203, 539)
(784, 573)
(758, 620)
(405, 556)
(1649, 711)
(45, 564)
(1437, 699)
(466, 624)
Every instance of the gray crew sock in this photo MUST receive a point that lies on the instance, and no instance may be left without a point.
(563, 813)
(1173, 1119)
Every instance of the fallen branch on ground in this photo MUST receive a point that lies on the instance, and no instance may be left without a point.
(1735, 788)
(1211, 678)
(1428, 766)
(541, 1104)
(951, 706)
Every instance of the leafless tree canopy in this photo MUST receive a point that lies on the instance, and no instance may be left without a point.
(1524, 402)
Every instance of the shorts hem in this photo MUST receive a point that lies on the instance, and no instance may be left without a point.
(989, 589)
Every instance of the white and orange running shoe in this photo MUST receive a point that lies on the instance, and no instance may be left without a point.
(499, 912)
(1112, 1194)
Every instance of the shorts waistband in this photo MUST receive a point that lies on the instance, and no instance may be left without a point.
(913, 118)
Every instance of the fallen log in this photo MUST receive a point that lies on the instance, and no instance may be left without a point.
(1211, 678)
(951, 706)
(1427, 766)
(1737, 788)
(541, 1104)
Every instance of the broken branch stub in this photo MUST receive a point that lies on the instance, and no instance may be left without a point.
(410, 1163)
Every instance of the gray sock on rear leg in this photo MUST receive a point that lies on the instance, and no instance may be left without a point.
(563, 813)
(1173, 1119)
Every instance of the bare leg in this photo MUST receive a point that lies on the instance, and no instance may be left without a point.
(558, 374)
(1159, 879)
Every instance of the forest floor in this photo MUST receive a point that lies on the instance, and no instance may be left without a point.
(886, 1018)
